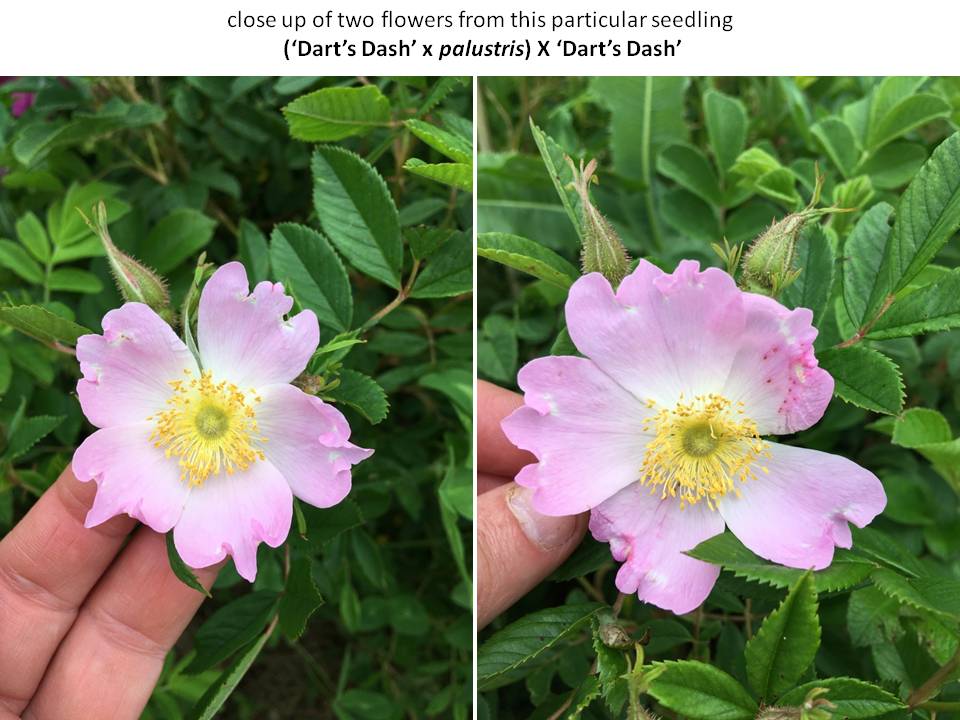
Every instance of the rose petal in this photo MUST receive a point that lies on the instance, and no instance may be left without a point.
(132, 477)
(650, 536)
(661, 335)
(308, 441)
(127, 370)
(243, 337)
(232, 515)
(775, 373)
(798, 513)
(586, 431)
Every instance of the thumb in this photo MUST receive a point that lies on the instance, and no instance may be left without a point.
(517, 547)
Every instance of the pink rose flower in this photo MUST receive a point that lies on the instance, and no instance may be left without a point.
(659, 430)
(217, 451)
(22, 101)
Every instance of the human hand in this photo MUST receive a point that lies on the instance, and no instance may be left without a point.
(85, 620)
(517, 547)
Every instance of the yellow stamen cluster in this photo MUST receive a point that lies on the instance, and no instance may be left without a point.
(210, 427)
(700, 449)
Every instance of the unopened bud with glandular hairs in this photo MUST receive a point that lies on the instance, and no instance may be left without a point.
(135, 281)
(602, 251)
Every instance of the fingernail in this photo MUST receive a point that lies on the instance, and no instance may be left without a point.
(545, 531)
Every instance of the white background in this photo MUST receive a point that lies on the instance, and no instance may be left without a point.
(190, 37)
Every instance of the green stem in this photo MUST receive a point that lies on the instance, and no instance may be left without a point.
(396, 302)
(656, 235)
(939, 706)
(931, 687)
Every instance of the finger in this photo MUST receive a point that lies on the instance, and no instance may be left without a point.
(517, 547)
(487, 482)
(496, 454)
(111, 659)
(48, 564)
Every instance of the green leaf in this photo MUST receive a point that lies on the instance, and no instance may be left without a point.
(179, 236)
(453, 146)
(863, 255)
(726, 121)
(928, 214)
(456, 488)
(528, 637)
(34, 237)
(561, 175)
(180, 568)
(689, 215)
(15, 258)
(936, 594)
(28, 433)
(40, 323)
(699, 691)
(303, 257)
(216, 695)
(458, 175)
(865, 378)
(854, 699)
(232, 627)
(357, 704)
(894, 165)
(920, 426)
(909, 114)
(70, 279)
(786, 643)
(325, 524)
(300, 598)
(839, 142)
(646, 115)
(527, 255)
(449, 270)
(37, 141)
(872, 617)
(726, 550)
(877, 545)
(497, 349)
(932, 308)
(369, 558)
(815, 260)
(687, 166)
(357, 213)
(254, 251)
(362, 393)
(67, 227)
(336, 113)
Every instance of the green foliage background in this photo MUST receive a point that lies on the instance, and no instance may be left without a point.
(684, 163)
(365, 215)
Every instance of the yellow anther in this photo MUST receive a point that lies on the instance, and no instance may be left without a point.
(210, 427)
(700, 448)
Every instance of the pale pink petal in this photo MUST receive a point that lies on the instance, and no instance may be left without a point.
(661, 335)
(244, 338)
(775, 373)
(127, 370)
(650, 537)
(232, 515)
(308, 441)
(132, 477)
(798, 512)
(585, 430)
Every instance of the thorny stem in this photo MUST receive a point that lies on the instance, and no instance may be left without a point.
(396, 302)
(922, 694)
(865, 330)
(939, 705)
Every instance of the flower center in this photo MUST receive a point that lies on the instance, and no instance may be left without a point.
(210, 427)
(700, 448)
